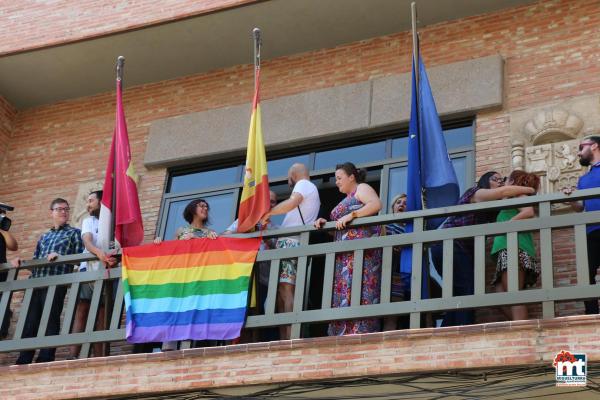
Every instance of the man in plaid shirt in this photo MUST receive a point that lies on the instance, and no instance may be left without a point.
(61, 239)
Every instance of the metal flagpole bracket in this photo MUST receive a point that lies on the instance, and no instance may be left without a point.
(257, 43)
(120, 65)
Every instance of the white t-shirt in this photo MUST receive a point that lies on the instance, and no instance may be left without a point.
(90, 225)
(309, 206)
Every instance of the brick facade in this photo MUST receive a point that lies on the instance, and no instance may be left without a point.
(35, 24)
(532, 344)
(56, 147)
(551, 49)
(7, 117)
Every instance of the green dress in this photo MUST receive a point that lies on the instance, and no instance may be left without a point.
(527, 256)
(525, 239)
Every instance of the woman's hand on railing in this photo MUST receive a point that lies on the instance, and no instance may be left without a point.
(320, 222)
(157, 240)
(15, 262)
(212, 235)
(341, 223)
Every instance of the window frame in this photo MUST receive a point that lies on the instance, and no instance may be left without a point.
(311, 150)
(385, 174)
(169, 198)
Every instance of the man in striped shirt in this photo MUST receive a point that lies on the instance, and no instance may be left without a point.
(60, 240)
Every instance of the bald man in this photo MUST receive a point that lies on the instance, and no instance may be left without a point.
(302, 208)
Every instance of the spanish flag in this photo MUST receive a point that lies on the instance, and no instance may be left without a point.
(255, 195)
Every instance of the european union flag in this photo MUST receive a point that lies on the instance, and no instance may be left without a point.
(431, 180)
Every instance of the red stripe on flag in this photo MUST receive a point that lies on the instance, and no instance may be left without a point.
(177, 247)
(253, 208)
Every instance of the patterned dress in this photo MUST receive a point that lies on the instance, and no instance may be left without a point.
(197, 232)
(342, 281)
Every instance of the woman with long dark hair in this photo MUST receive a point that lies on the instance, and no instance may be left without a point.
(361, 201)
(489, 187)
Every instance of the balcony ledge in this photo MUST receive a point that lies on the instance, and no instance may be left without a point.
(531, 343)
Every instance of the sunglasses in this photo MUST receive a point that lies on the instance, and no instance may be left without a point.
(498, 180)
(582, 145)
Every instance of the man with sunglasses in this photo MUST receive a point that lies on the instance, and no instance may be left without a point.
(589, 156)
(62, 239)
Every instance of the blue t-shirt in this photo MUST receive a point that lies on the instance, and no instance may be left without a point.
(589, 181)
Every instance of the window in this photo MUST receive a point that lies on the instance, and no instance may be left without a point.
(397, 177)
(203, 180)
(357, 154)
(279, 168)
(385, 157)
(221, 214)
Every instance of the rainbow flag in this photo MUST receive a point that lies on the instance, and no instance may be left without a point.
(255, 194)
(187, 289)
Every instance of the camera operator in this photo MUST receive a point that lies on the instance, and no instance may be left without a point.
(7, 242)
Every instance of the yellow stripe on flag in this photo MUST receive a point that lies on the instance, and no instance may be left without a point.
(256, 161)
(255, 193)
(191, 274)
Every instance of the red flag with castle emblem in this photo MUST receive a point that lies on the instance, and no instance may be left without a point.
(129, 230)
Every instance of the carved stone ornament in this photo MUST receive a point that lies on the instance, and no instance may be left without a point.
(553, 173)
(554, 163)
(79, 206)
(545, 140)
(552, 125)
(537, 158)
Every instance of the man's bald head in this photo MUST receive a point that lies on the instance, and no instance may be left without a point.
(298, 171)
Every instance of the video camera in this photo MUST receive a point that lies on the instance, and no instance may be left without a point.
(5, 222)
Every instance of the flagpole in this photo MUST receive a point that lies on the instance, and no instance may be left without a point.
(108, 288)
(257, 43)
(416, 57)
(415, 39)
(416, 64)
(119, 67)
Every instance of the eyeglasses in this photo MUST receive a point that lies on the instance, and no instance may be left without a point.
(498, 180)
(61, 209)
(582, 145)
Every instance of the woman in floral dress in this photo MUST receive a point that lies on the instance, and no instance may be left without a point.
(360, 201)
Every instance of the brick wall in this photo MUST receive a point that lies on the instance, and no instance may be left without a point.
(7, 116)
(56, 147)
(551, 50)
(531, 344)
(34, 24)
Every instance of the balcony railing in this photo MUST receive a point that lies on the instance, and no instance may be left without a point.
(545, 293)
